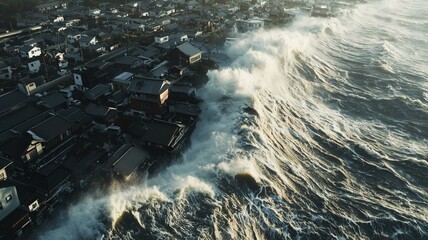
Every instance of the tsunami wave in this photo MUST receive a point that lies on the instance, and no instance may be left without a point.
(316, 130)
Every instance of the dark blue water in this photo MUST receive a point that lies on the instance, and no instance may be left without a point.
(318, 130)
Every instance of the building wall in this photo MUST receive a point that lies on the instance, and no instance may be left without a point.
(9, 201)
(27, 89)
(195, 58)
(3, 174)
(35, 52)
(146, 106)
(34, 67)
(78, 79)
(6, 73)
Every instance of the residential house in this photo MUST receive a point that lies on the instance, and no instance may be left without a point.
(79, 120)
(161, 39)
(29, 85)
(129, 62)
(73, 48)
(184, 109)
(148, 95)
(185, 54)
(122, 81)
(160, 70)
(103, 115)
(148, 55)
(28, 52)
(54, 100)
(245, 25)
(51, 132)
(73, 36)
(21, 150)
(83, 78)
(98, 93)
(86, 41)
(164, 135)
(53, 182)
(126, 162)
(13, 220)
(5, 71)
(182, 92)
(31, 202)
(33, 65)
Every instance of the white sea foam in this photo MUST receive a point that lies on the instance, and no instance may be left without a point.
(286, 75)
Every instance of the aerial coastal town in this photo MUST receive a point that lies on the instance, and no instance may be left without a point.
(90, 95)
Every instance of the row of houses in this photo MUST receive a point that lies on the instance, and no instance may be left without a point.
(97, 93)
(104, 122)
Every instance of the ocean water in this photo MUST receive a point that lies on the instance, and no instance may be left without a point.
(317, 130)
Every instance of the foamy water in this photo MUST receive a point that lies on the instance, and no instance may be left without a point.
(317, 130)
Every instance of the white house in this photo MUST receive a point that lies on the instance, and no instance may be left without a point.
(161, 39)
(27, 51)
(58, 19)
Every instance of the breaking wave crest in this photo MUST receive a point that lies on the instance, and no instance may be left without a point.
(318, 130)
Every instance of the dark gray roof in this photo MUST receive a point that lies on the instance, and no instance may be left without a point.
(98, 111)
(4, 162)
(38, 81)
(51, 127)
(17, 117)
(128, 162)
(29, 123)
(182, 88)
(97, 91)
(124, 78)
(74, 115)
(12, 100)
(188, 49)
(185, 108)
(127, 60)
(149, 52)
(53, 99)
(50, 177)
(15, 147)
(25, 48)
(148, 86)
(162, 132)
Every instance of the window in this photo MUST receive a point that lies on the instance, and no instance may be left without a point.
(2, 176)
(9, 198)
(32, 65)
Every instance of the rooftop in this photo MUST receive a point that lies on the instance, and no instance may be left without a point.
(148, 86)
(51, 128)
(162, 132)
(129, 161)
(188, 49)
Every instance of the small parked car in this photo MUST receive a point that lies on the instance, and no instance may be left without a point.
(74, 102)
